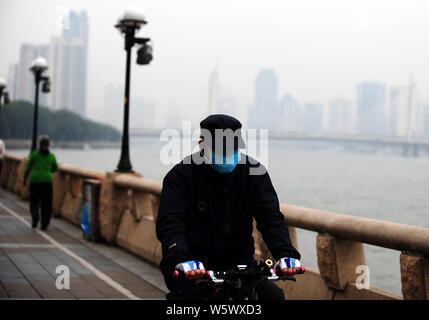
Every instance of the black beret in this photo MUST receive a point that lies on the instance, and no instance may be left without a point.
(223, 122)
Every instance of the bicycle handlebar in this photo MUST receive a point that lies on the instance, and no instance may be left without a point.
(243, 271)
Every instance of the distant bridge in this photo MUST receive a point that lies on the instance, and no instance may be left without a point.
(410, 146)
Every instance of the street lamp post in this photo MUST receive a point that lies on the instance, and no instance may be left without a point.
(128, 25)
(4, 94)
(38, 66)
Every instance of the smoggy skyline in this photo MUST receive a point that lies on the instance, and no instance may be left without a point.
(320, 50)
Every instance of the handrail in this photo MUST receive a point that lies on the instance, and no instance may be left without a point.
(13, 157)
(65, 168)
(385, 234)
(84, 173)
(139, 184)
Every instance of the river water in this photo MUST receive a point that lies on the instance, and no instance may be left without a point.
(382, 185)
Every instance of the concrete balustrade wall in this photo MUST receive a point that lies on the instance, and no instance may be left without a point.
(128, 211)
(114, 202)
(136, 231)
(10, 170)
(67, 184)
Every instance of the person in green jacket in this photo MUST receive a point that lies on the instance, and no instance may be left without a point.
(41, 163)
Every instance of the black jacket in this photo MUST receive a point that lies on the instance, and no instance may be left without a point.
(208, 217)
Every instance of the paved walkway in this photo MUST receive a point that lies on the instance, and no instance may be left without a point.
(29, 259)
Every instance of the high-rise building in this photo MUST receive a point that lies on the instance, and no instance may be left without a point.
(263, 114)
(68, 65)
(68, 74)
(213, 91)
(426, 121)
(371, 114)
(25, 83)
(220, 99)
(313, 115)
(400, 113)
(291, 111)
(419, 118)
(12, 81)
(340, 116)
(77, 26)
(406, 111)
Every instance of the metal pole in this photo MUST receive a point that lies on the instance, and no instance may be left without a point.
(124, 164)
(36, 112)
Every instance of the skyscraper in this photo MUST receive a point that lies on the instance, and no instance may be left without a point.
(68, 74)
(371, 115)
(78, 26)
(340, 116)
(264, 112)
(12, 81)
(399, 111)
(221, 100)
(25, 83)
(313, 118)
(291, 111)
(68, 65)
(426, 121)
(213, 91)
(419, 119)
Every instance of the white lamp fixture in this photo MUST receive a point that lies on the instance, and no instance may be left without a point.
(132, 18)
(39, 64)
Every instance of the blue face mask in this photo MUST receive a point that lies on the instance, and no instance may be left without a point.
(228, 162)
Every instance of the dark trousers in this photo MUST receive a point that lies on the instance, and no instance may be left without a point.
(265, 290)
(41, 197)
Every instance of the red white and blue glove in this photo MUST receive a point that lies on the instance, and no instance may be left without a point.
(193, 270)
(290, 266)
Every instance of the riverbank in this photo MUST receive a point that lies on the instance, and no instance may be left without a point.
(16, 144)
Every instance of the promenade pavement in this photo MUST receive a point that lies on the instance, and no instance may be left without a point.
(29, 259)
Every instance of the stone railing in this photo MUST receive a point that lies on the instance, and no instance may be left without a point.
(128, 211)
(340, 250)
(67, 200)
(10, 169)
(68, 195)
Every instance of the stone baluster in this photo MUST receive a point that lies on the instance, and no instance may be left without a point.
(338, 259)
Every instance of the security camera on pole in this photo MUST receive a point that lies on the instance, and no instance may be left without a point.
(38, 66)
(131, 22)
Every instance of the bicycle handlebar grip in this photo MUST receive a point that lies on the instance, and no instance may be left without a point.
(300, 271)
(178, 275)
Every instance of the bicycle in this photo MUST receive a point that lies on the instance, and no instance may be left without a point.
(239, 283)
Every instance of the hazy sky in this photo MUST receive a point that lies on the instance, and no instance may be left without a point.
(319, 49)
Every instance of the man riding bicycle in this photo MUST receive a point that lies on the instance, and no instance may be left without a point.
(205, 217)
